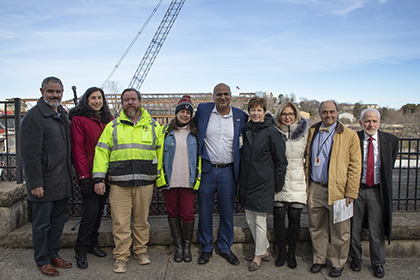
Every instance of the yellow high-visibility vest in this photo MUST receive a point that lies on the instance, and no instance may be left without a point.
(128, 152)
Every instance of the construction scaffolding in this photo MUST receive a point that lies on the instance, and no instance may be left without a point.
(160, 105)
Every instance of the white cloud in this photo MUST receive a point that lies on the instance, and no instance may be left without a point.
(337, 7)
(274, 45)
(349, 7)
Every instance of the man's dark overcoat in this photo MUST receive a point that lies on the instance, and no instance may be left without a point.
(46, 153)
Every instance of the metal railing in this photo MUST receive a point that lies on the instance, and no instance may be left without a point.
(406, 195)
(406, 176)
(10, 117)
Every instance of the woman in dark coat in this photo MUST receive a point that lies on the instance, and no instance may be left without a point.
(263, 169)
(88, 120)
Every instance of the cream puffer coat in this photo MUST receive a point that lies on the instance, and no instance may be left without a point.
(294, 189)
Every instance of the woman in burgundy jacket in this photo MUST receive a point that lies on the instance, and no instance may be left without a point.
(88, 120)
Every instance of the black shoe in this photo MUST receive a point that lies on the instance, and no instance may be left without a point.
(97, 252)
(378, 271)
(316, 267)
(335, 272)
(81, 261)
(204, 257)
(356, 265)
(230, 257)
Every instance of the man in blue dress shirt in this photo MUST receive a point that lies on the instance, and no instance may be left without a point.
(333, 161)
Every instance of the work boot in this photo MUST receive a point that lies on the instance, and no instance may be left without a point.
(187, 232)
(175, 225)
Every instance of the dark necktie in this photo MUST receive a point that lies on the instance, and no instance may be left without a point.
(370, 180)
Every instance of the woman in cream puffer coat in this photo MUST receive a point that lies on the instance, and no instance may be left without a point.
(292, 198)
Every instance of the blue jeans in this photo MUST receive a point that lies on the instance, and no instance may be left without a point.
(48, 219)
(220, 181)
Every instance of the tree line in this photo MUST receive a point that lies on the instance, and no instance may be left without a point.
(408, 115)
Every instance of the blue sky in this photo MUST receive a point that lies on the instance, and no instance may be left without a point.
(347, 50)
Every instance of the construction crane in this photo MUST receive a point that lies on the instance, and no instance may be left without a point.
(156, 44)
(150, 54)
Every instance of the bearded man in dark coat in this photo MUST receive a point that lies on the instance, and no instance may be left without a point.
(46, 160)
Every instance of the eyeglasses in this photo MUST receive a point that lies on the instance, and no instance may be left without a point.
(284, 115)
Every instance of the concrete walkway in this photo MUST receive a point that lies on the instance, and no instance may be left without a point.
(402, 256)
(18, 264)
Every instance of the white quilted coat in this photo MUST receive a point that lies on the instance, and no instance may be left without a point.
(294, 189)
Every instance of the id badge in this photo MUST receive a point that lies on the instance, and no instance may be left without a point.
(317, 161)
(241, 141)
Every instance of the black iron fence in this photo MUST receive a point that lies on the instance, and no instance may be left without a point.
(406, 196)
(10, 117)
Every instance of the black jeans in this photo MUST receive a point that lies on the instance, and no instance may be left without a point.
(90, 223)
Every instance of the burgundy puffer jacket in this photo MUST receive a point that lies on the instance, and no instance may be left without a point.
(85, 133)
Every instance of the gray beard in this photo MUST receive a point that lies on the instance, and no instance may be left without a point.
(130, 113)
(53, 104)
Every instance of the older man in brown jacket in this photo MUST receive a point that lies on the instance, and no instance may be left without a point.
(333, 162)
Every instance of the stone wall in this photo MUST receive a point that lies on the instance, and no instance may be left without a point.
(13, 212)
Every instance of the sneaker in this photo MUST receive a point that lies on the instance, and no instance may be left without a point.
(120, 266)
(142, 258)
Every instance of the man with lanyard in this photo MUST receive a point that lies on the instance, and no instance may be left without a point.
(220, 128)
(333, 162)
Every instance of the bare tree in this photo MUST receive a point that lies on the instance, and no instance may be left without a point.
(345, 107)
(309, 105)
(112, 90)
(411, 121)
(271, 101)
(286, 98)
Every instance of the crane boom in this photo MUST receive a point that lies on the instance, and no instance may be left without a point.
(131, 44)
(156, 44)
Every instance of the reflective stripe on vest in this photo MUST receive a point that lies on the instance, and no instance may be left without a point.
(117, 146)
(103, 146)
(98, 175)
(131, 177)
